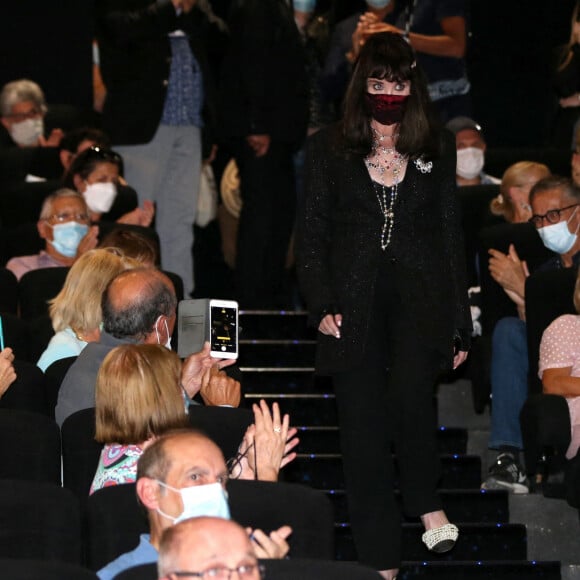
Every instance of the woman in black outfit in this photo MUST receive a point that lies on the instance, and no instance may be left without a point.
(381, 266)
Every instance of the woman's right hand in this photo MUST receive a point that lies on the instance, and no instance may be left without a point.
(7, 373)
(330, 325)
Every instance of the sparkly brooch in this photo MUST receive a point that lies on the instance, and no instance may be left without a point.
(423, 166)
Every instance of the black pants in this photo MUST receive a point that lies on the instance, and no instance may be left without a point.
(266, 222)
(386, 405)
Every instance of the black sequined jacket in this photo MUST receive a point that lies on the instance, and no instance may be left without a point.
(339, 252)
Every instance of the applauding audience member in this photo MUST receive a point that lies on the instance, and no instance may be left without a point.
(64, 225)
(183, 475)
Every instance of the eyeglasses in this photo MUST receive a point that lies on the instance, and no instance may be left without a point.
(552, 216)
(222, 572)
(104, 154)
(234, 464)
(61, 218)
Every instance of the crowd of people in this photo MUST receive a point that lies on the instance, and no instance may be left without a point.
(351, 140)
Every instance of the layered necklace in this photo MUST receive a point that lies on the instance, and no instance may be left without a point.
(386, 162)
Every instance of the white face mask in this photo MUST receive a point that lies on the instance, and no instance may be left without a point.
(168, 343)
(100, 196)
(26, 133)
(208, 500)
(469, 162)
(557, 237)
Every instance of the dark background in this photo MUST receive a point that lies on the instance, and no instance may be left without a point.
(511, 53)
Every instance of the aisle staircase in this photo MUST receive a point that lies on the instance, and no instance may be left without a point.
(277, 358)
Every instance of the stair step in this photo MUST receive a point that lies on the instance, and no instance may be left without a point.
(326, 439)
(275, 353)
(461, 505)
(275, 324)
(281, 380)
(477, 542)
(324, 471)
(304, 409)
(487, 570)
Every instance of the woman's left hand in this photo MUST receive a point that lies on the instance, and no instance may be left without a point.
(459, 358)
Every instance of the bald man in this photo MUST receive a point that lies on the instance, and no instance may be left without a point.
(139, 307)
(183, 475)
(207, 545)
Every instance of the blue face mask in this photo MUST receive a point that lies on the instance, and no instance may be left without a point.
(557, 237)
(200, 500)
(304, 5)
(378, 4)
(67, 237)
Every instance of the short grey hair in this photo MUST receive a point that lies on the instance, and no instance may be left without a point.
(46, 210)
(18, 92)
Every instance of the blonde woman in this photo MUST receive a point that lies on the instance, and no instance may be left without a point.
(76, 310)
(138, 398)
(513, 202)
(128, 419)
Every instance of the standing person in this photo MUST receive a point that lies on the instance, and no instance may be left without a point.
(158, 98)
(437, 30)
(264, 112)
(381, 265)
(567, 87)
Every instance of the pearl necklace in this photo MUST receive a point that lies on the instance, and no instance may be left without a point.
(388, 197)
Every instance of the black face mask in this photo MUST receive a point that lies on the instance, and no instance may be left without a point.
(386, 109)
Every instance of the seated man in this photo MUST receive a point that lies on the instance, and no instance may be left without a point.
(470, 152)
(212, 546)
(22, 111)
(138, 307)
(65, 227)
(555, 205)
(183, 475)
(25, 154)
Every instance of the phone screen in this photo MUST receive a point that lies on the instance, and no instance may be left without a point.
(224, 330)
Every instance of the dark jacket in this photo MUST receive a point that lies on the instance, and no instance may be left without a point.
(263, 83)
(339, 253)
(135, 55)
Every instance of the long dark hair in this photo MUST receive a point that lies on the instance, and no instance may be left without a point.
(387, 55)
(88, 160)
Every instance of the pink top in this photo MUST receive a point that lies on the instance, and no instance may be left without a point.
(22, 264)
(560, 348)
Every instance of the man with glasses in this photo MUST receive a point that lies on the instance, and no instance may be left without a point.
(22, 110)
(555, 205)
(65, 227)
(207, 548)
(183, 475)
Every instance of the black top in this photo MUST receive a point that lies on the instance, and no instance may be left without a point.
(339, 252)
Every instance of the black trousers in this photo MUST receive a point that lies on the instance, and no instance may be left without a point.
(266, 222)
(386, 405)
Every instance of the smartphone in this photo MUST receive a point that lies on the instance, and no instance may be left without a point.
(192, 326)
(223, 325)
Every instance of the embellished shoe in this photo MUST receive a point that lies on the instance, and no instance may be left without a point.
(441, 539)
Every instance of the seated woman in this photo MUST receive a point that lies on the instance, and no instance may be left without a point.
(151, 402)
(96, 173)
(559, 367)
(136, 245)
(76, 310)
(513, 202)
